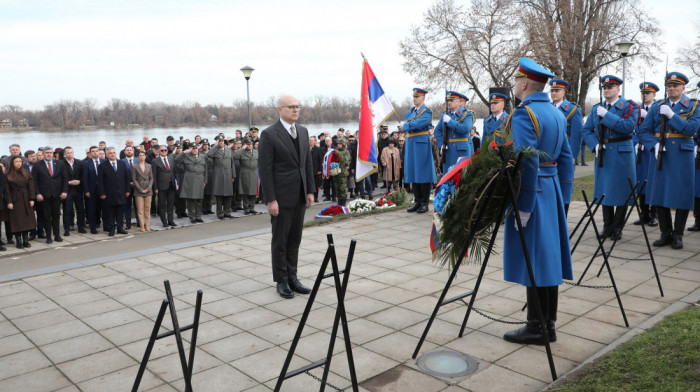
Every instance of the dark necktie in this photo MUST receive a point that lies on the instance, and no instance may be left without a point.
(95, 166)
(114, 165)
(128, 162)
(609, 106)
(672, 105)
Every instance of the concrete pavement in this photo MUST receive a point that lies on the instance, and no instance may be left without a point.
(85, 328)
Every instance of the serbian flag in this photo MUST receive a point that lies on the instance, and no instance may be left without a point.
(375, 108)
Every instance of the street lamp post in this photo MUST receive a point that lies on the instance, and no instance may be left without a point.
(624, 48)
(247, 71)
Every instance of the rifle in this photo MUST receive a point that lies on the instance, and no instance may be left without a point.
(601, 129)
(663, 125)
(445, 138)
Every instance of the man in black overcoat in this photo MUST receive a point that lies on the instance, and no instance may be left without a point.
(113, 189)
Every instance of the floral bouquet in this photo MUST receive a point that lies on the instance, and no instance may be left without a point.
(398, 196)
(462, 194)
(332, 211)
(383, 202)
(360, 205)
(335, 163)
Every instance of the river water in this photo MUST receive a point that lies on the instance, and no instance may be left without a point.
(80, 140)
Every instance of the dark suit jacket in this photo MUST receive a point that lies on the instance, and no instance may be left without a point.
(76, 173)
(48, 185)
(316, 159)
(162, 178)
(284, 175)
(113, 184)
(90, 176)
(134, 161)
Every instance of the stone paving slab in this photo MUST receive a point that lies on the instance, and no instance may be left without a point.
(85, 329)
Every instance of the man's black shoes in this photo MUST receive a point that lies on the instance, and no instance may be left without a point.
(423, 208)
(414, 208)
(677, 242)
(529, 334)
(664, 240)
(297, 287)
(284, 291)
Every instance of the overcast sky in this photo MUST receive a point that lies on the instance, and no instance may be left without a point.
(177, 51)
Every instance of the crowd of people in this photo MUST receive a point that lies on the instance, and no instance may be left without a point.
(48, 192)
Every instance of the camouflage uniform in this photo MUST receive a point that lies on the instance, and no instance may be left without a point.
(340, 180)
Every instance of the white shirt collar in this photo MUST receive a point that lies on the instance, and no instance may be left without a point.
(559, 103)
(286, 125)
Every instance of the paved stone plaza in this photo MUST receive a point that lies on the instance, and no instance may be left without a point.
(86, 329)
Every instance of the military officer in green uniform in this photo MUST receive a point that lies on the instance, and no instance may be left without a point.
(194, 179)
(247, 159)
(340, 180)
(223, 177)
(206, 201)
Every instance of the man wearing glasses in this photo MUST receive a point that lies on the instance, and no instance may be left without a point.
(286, 173)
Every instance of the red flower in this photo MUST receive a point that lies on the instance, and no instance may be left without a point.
(493, 144)
(332, 211)
(391, 203)
(380, 202)
(335, 157)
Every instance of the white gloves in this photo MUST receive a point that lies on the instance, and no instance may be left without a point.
(696, 151)
(643, 113)
(524, 218)
(601, 111)
(639, 147)
(656, 150)
(401, 124)
(446, 118)
(666, 111)
(596, 149)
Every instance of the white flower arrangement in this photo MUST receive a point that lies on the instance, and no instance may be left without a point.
(360, 205)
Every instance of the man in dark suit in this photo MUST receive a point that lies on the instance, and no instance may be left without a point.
(113, 190)
(51, 184)
(165, 185)
(317, 164)
(286, 172)
(130, 161)
(90, 170)
(75, 200)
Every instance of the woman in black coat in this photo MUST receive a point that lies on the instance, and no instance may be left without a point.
(19, 195)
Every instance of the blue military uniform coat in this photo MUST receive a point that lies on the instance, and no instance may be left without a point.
(574, 124)
(673, 186)
(419, 166)
(643, 155)
(546, 185)
(619, 158)
(458, 130)
(697, 166)
(493, 125)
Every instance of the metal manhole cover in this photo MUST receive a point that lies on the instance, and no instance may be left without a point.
(446, 363)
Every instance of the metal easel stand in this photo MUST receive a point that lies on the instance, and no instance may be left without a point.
(505, 174)
(340, 318)
(187, 366)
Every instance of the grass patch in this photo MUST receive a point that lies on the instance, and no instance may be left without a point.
(665, 358)
(338, 218)
(583, 183)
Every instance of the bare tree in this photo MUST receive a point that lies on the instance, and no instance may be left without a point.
(479, 46)
(474, 47)
(690, 55)
(576, 39)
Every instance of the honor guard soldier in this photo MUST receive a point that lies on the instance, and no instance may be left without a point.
(648, 91)
(419, 167)
(671, 183)
(458, 121)
(696, 209)
(572, 113)
(618, 118)
(547, 183)
(496, 121)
